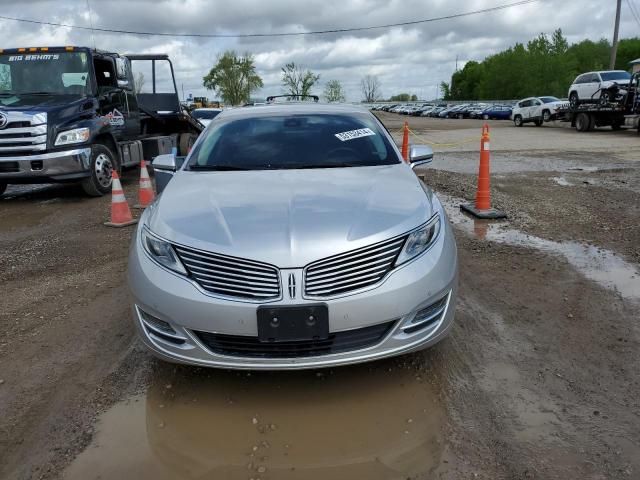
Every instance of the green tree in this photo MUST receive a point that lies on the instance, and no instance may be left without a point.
(333, 91)
(298, 81)
(233, 78)
(445, 91)
(401, 97)
(5, 77)
(414, 98)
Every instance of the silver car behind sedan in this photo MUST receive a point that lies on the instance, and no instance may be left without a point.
(293, 236)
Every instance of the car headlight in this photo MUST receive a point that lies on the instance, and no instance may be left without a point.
(161, 251)
(77, 135)
(419, 240)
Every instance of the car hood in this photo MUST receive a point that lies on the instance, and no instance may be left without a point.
(290, 218)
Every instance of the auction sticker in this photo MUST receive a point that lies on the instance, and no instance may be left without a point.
(353, 134)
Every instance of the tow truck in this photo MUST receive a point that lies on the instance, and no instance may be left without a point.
(616, 107)
(72, 114)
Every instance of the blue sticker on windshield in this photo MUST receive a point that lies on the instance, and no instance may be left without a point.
(353, 134)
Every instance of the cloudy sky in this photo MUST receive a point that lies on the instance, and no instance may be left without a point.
(412, 59)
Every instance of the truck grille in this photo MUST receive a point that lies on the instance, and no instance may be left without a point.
(352, 270)
(231, 276)
(23, 134)
(338, 342)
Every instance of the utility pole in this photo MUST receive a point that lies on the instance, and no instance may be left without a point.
(614, 46)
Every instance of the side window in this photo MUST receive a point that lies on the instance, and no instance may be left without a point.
(596, 78)
(580, 79)
(537, 102)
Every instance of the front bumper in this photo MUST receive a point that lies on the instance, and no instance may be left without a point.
(174, 299)
(66, 165)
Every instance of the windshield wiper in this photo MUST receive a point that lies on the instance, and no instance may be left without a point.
(7, 94)
(325, 165)
(217, 168)
(38, 93)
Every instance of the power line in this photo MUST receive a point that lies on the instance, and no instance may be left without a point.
(632, 9)
(277, 34)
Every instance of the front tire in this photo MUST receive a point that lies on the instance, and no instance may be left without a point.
(546, 116)
(574, 100)
(103, 162)
(485, 117)
(538, 123)
(517, 120)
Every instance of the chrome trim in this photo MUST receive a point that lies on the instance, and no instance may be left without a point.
(37, 132)
(230, 276)
(47, 156)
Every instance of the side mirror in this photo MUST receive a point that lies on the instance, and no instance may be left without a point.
(420, 155)
(166, 162)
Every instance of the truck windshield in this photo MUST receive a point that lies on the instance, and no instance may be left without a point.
(293, 141)
(60, 73)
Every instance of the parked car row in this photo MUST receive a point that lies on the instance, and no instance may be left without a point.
(484, 111)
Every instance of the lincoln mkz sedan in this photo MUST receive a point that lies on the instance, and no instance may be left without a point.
(292, 236)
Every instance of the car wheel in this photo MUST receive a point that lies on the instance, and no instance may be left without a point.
(460, 116)
(546, 116)
(103, 162)
(605, 98)
(517, 121)
(583, 122)
(538, 123)
(573, 100)
(3, 188)
(485, 117)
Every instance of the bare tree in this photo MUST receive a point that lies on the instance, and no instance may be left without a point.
(298, 81)
(138, 82)
(370, 88)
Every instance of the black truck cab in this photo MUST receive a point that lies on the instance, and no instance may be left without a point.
(73, 114)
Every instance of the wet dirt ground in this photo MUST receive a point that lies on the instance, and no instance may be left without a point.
(540, 377)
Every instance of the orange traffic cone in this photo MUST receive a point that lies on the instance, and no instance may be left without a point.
(482, 207)
(146, 195)
(405, 142)
(120, 213)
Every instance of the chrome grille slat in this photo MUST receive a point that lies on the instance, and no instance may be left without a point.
(204, 266)
(350, 278)
(351, 271)
(352, 266)
(24, 133)
(378, 252)
(230, 276)
(225, 260)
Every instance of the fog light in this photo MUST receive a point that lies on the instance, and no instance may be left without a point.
(155, 323)
(427, 317)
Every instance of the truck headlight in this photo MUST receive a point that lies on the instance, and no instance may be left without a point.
(419, 240)
(77, 135)
(161, 251)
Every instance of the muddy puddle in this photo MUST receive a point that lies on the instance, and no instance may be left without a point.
(598, 264)
(380, 422)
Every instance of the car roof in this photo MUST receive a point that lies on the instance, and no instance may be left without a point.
(302, 108)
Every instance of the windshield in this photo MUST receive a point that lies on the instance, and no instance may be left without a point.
(205, 114)
(549, 99)
(63, 73)
(607, 76)
(294, 141)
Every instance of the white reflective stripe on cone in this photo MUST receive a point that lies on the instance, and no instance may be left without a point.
(118, 198)
(486, 146)
(116, 184)
(145, 183)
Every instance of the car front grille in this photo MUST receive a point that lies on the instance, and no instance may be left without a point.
(338, 342)
(352, 270)
(24, 133)
(231, 276)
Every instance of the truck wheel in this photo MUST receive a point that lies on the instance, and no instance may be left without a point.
(186, 142)
(616, 125)
(3, 188)
(538, 123)
(103, 163)
(517, 121)
(546, 116)
(583, 122)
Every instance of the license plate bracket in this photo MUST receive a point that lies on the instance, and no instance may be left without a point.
(279, 324)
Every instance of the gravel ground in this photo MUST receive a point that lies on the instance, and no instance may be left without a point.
(539, 378)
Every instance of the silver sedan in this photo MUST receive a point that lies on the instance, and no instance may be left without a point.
(292, 236)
